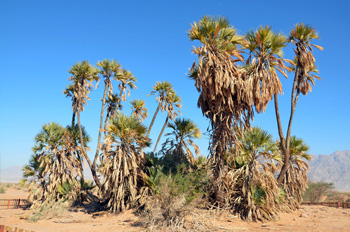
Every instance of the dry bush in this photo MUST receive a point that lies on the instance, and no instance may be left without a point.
(49, 210)
(167, 210)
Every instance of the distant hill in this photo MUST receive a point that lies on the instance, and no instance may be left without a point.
(333, 168)
(14, 174)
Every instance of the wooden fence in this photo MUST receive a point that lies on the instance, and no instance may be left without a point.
(336, 204)
(12, 229)
(14, 204)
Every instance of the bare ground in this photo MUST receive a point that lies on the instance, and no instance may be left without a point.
(308, 218)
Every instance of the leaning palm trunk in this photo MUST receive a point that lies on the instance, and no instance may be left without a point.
(123, 175)
(161, 133)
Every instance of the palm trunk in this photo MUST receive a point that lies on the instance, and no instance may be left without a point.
(73, 120)
(118, 103)
(101, 121)
(160, 135)
(153, 119)
(93, 171)
(286, 143)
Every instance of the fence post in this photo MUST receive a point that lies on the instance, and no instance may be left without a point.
(19, 203)
(322, 203)
(8, 204)
(338, 204)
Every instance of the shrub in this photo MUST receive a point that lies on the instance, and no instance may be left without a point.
(2, 190)
(316, 190)
(49, 210)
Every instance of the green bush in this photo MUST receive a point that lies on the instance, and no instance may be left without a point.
(2, 190)
(316, 190)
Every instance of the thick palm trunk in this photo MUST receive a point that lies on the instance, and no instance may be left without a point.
(161, 132)
(153, 119)
(93, 171)
(101, 121)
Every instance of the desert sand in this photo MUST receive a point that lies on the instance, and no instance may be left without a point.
(307, 218)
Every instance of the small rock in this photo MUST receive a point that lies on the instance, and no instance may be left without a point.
(303, 215)
(294, 219)
(264, 225)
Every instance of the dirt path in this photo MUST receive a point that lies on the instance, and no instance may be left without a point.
(308, 218)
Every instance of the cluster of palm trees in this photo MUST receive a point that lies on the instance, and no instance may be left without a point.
(231, 86)
(235, 76)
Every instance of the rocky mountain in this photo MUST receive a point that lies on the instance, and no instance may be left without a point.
(333, 168)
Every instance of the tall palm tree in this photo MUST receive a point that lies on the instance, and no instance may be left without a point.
(173, 109)
(225, 96)
(108, 68)
(183, 134)
(301, 36)
(266, 52)
(251, 187)
(161, 90)
(127, 82)
(83, 74)
(58, 162)
(139, 109)
(123, 160)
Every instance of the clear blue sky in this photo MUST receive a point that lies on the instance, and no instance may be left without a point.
(41, 40)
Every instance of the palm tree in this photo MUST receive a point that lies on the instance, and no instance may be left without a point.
(123, 160)
(58, 162)
(295, 181)
(251, 187)
(139, 109)
(127, 82)
(82, 76)
(108, 68)
(173, 109)
(161, 90)
(183, 134)
(301, 36)
(265, 48)
(225, 96)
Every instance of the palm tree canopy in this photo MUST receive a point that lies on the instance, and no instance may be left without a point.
(126, 79)
(50, 135)
(215, 31)
(184, 131)
(139, 109)
(299, 149)
(258, 142)
(127, 129)
(266, 56)
(185, 128)
(83, 70)
(162, 90)
(74, 133)
(301, 35)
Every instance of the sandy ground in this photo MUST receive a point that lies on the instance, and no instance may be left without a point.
(308, 218)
